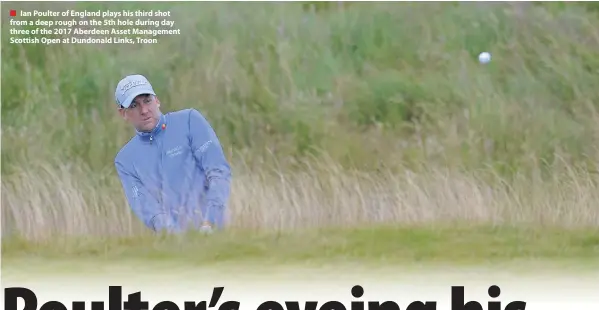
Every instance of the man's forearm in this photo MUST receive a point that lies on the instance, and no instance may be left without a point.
(210, 156)
(216, 199)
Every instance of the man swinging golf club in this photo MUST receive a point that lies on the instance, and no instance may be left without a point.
(173, 171)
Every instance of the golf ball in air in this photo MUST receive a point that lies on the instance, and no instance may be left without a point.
(484, 57)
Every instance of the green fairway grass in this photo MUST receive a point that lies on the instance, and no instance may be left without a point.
(390, 246)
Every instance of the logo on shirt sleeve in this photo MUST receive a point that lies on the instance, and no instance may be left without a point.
(135, 191)
(205, 146)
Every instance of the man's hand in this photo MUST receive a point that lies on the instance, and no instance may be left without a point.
(206, 228)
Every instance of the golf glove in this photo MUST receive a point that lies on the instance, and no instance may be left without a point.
(206, 228)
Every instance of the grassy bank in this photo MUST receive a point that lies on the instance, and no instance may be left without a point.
(370, 85)
(343, 116)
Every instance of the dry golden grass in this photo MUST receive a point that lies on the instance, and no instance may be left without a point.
(43, 201)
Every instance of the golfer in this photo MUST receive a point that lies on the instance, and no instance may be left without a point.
(173, 171)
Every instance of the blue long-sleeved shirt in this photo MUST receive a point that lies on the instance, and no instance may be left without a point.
(176, 177)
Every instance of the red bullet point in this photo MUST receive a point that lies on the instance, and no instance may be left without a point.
(13, 12)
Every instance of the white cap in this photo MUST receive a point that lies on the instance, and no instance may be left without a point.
(130, 87)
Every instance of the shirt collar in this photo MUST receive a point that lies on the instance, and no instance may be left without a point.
(160, 126)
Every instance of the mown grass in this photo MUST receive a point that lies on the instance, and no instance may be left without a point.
(345, 116)
(380, 245)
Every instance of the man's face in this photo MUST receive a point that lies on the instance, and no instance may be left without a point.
(143, 113)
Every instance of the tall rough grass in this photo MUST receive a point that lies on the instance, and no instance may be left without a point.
(385, 103)
(44, 202)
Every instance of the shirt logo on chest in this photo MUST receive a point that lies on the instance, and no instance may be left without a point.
(177, 150)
